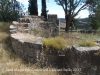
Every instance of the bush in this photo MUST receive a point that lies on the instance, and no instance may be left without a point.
(87, 42)
(95, 24)
(54, 42)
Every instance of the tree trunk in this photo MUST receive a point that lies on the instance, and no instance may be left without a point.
(44, 12)
(68, 21)
(33, 7)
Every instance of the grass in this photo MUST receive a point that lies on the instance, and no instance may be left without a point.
(10, 63)
(87, 42)
(82, 39)
(56, 43)
(69, 38)
(75, 37)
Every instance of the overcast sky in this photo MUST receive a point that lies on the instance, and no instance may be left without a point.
(54, 8)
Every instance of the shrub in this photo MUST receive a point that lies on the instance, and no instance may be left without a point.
(87, 42)
(54, 42)
(95, 24)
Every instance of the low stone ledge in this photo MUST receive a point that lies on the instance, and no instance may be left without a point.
(12, 27)
(26, 37)
(13, 31)
(27, 20)
(15, 23)
(97, 40)
(82, 49)
(27, 46)
(24, 24)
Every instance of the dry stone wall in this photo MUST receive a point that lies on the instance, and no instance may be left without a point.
(78, 61)
(83, 60)
(26, 50)
(36, 25)
(33, 50)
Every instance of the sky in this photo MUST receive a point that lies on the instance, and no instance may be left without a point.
(54, 9)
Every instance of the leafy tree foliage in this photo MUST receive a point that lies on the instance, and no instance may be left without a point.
(33, 9)
(95, 14)
(95, 17)
(72, 8)
(9, 10)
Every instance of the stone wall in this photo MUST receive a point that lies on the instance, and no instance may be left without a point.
(33, 50)
(52, 18)
(36, 25)
(81, 59)
(86, 59)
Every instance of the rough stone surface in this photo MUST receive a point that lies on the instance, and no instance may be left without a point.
(12, 27)
(31, 48)
(83, 49)
(97, 40)
(86, 59)
(27, 46)
(13, 31)
(52, 18)
(15, 23)
(36, 25)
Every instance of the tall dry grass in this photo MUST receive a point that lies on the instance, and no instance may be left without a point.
(73, 38)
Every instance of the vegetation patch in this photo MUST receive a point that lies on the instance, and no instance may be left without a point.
(87, 42)
(54, 42)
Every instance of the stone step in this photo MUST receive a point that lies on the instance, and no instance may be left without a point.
(26, 30)
(23, 25)
(12, 27)
(15, 23)
(13, 31)
(27, 20)
(30, 16)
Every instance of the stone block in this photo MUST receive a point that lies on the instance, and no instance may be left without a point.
(13, 31)
(52, 17)
(84, 58)
(15, 23)
(26, 20)
(12, 27)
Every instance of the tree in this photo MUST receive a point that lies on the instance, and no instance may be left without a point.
(33, 9)
(9, 10)
(95, 16)
(44, 12)
(72, 8)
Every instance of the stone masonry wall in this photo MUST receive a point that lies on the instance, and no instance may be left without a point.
(33, 25)
(84, 60)
(34, 52)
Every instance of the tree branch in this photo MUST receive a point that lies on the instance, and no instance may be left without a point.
(61, 4)
(79, 10)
